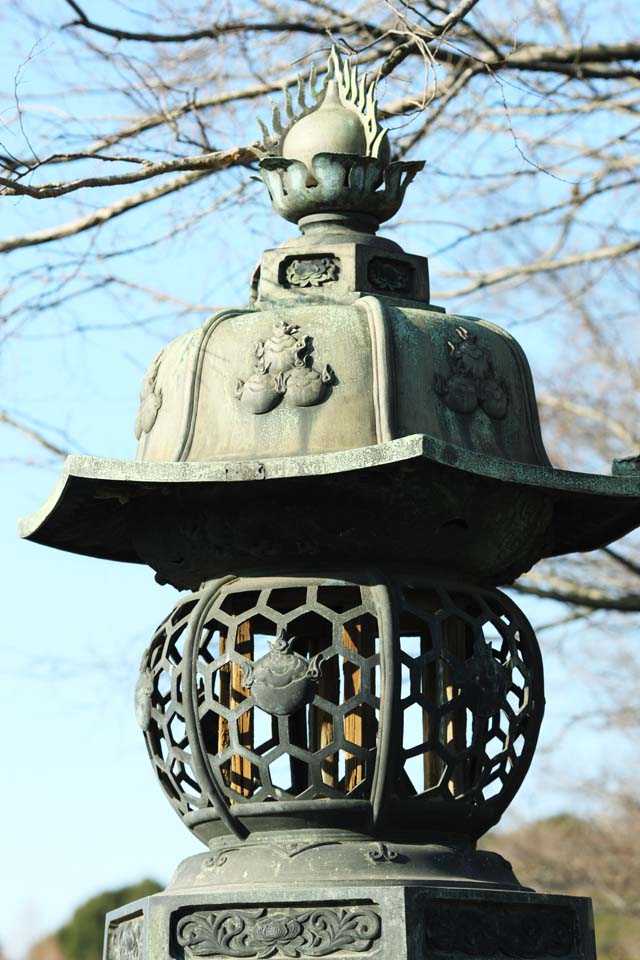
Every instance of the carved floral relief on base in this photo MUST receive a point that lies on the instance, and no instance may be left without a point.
(125, 940)
(309, 932)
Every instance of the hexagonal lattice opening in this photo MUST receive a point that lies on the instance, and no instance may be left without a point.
(360, 727)
(321, 728)
(338, 598)
(465, 690)
(415, 730)
(289, 684)
(241, 775)
(265, 731)
(418, 636)
(162, 685)
(177, 730)
(239, 602)
(182, 611)
(317, 646)
(286, 599)
(310, 630)
(360, 636)
(281, 776)
(421, 772)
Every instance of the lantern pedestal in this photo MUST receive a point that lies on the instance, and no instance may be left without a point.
(317, 897)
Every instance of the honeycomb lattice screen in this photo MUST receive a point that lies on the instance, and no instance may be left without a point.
(325, 748)
(288, 680)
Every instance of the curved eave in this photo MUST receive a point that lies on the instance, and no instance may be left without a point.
(83, 513)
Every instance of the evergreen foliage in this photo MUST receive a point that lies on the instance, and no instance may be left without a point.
(82, 937)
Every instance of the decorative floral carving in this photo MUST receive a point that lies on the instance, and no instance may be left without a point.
(150, 399)
(312, 272)
(484, 681)
(142, 697)
(315, 932)
(472, 381)
(391, 275)
(125, 940)
(283, 365)
(485, 932)
(277, 931)
(281, 681)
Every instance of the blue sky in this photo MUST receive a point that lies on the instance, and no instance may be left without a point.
(80, 808)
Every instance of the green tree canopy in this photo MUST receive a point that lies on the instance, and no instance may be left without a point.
(81, 938)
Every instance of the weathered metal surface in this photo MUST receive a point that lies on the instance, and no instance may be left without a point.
(626, 467)
(371, 372)
(460, 719)
(339, 854)
(340, 266)
(434, 504)
(342, 182)
(339, 731)
(339, 114)
(315, 931)
(389, 920)
(363, 406)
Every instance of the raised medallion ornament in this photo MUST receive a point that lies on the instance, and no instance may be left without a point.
(389, 276)
(283, 366)
(483, 680)
(312, 272)
(143, 695)
(150, 399)
(282, 681)
(472, 381)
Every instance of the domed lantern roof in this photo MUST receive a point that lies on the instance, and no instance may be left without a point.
(340, 412)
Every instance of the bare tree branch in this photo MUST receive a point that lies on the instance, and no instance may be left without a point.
(566, 591)
(625, 562)
(209, 162)
(218, 30)
(32, 434)
(102, 215)
(540, 266)
(589, 413)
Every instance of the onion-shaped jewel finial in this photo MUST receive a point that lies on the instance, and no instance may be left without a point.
(339, 116)
(330, 154)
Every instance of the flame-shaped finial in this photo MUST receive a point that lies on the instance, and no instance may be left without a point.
(339, 116)
(331, 154)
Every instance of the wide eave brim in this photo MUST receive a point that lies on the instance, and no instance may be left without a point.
(86, 514)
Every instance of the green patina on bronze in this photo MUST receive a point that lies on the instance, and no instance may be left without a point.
(342, 473)
(339, 352)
